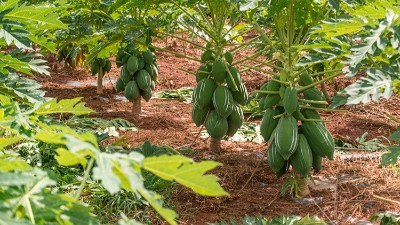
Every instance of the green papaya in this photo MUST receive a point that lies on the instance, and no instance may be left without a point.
(286, 136)
(223, 101)
(132, 64)
(302, 160)
(218, 71)
(216, 125)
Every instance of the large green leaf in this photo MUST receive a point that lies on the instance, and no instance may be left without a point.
(42, 15)
(18, 37)
(156, 202)
(6, 141)
(378, 84)
(375, 39)
(8, 62)
(395, 136)
(21, 89)
(184, 171)
(5, 219)
(14, 164)
(392, 156)
(26, 195)
(73, 106)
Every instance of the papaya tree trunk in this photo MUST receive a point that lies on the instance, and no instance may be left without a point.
(215, 145)
(100, 82)
(304, 190)
(137, 106)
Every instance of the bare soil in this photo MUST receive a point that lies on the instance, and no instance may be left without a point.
(343, 190)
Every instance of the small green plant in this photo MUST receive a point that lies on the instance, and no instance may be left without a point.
(182, 94)
(374, 144)
(387, 218)
(283, 220)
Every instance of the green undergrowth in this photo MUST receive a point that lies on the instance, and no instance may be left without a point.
(283, 220)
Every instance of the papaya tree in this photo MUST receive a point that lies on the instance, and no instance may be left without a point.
(291, 123)
(129, 35)
(219, 91)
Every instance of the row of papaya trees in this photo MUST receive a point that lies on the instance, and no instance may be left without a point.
(300, 45)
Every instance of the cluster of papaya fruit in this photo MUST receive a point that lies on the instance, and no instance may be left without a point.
(138, 74)
(296, 133)
(218, 95)
(100, 65)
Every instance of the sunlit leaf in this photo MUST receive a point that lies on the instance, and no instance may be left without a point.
(186, 172)
(73, 106)
(14, 164)
(6, 141)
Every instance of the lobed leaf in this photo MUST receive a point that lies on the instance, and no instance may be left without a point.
(73, 106)
(392, 156)
(186, 172)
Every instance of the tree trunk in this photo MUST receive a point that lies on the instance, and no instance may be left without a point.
(100, 82)
(304, 190)
(215, 145)
(137, 106)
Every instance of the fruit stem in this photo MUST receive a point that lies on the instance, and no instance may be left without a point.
(318, 82)
(281, 82)
(322, 109)
(178, 54)
(279, 115)
(268, 92)
(314, 102)
(187, 71)
(261, 70)
(185, 40)
(245, 59)
(265, 63)
(316, 120)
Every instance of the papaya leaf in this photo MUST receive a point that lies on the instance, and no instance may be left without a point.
(310, 220)
(392, 156)
(248, 5)
(56, 134)
(156, 202)
(14, 164)
(38, 66)
(21, 89)
(42, 15)
(103, 171)
(6, 141)
(27, 195)
(361, 51)
(6, 219)
(186, 172)
(395, 136)
(68, 158)
(18, 37)
(73, 106)
(377, 84)
(8, 62)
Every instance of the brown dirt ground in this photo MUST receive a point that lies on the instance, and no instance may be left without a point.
(253, 187)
